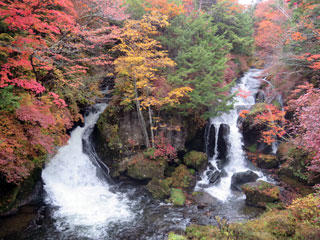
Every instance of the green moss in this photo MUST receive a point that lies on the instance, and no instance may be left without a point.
(253, 148)
(182, 178)
(257, 108)
(177, 197)
(192, 171)
(197, 232)
(173, 236)
(260, 193)
(196, 160)
(141, 168)
(159, 188)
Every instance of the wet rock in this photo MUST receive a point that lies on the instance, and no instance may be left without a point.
(260, 193)
(204, 199)
(182, 178)
(214, 177)
(159, 188)
(211, 140)
(224, 131)
(260, 97)
(211, 167)
(196, 160)
(141, 168)
(177, 197)
(267, 161)
(241, 178)
(223, 173)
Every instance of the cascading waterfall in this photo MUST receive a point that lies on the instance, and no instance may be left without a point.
(81, 198)
(224, 143)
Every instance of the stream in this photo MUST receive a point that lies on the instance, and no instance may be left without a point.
(80, 201)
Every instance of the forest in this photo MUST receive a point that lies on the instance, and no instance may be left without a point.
(166, 68)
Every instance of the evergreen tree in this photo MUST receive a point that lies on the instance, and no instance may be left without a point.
(235, 24)
(200, 53)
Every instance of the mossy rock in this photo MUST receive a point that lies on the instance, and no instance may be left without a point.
(267, 161)
(177, 197)
(159, 188)
(196, 160)
(182, 178)
(197, 232)
(141, 168)
(173, 236)
(260, 193)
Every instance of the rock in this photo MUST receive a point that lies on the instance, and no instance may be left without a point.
(252, 130)
(182, 178)
(267, 161)
(260, 193)
(211, 167)
(204, 199)
(195, 139)
(177, 197)
(223, 173)
(210, 134)
(241, 178)
(215, 177)
(260, 97)
(196, 160)
(159, 188)
(222, 142)
(224, 131)
(141, 168)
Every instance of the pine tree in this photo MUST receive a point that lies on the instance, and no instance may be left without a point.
(200, 54)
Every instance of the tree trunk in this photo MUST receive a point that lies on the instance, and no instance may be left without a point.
(141, 119)
(151, 127)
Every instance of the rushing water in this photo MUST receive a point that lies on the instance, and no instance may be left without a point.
(83, 200)
(248, 85)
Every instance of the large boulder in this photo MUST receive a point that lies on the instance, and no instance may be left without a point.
(141, 168)
(241, 178)
(182, 178)
(159, 188)
(260, 193)
(196, 160)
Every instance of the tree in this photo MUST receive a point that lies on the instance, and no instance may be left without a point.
(235, 24)
(139, 67)
(271, 19)
(200, 54)
(305, 104)
(171, 8)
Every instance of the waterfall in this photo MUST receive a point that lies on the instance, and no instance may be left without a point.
(222, 134)
(78, 191)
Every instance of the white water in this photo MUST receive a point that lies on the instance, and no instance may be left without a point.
(236, 155)
(82, 199)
